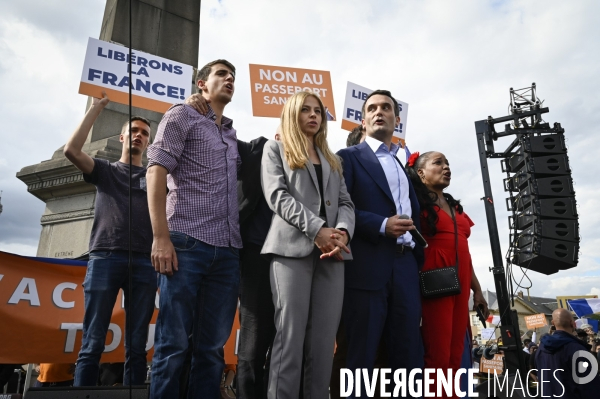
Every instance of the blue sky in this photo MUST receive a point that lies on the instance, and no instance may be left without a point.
(453, 62)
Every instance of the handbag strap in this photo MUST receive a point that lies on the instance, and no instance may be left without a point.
(455, 234)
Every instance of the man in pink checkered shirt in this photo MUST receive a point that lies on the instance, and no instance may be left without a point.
(196, 236)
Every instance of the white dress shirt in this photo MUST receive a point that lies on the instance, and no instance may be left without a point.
(397, 181)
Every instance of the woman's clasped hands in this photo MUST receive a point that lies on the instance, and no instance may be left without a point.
(331, 242)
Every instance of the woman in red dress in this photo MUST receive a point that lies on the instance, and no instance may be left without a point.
(445, 319)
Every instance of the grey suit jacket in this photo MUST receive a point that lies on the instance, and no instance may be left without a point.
(294, 197)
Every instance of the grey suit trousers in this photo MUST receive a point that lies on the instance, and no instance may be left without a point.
(308, 294)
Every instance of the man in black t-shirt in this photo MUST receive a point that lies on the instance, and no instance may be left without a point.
(108, 270)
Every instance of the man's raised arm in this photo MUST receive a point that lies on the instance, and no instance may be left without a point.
(72, 149)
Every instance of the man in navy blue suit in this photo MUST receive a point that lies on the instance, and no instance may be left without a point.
(382, 298)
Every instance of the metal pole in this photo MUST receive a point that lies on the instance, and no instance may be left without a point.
(511, 338)
(27, 379)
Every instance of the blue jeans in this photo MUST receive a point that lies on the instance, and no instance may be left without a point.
(199, 299)
(107, 272)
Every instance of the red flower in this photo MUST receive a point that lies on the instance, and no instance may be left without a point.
(412, 159)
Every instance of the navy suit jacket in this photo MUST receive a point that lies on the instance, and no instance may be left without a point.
(367, 185)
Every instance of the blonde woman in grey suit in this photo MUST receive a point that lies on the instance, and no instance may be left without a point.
(314, 219)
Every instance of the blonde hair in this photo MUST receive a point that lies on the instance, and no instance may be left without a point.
(295, 142)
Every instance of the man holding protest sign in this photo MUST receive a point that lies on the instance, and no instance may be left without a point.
(196, 236)
(108, 270)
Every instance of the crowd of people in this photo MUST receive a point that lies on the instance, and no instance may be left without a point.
(556, 362)
(561, 350)
(317, 247)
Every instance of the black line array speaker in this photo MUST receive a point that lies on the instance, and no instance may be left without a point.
(138, 392)
(544, 221)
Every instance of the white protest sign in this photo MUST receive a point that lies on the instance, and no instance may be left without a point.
(488, 333)
(352, 115)
(156, 82)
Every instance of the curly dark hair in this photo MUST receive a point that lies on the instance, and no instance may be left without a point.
(354, 136)
(427, 198)
(205, 71)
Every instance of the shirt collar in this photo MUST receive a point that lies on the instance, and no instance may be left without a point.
(377, 145)
(225, 121)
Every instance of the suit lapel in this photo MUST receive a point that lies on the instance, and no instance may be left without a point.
(326, 169)
(313, 174)
(369, 161)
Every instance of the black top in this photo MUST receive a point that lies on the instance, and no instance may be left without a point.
(255, 228)
(319, 170)
(110, 230)
(255, 214)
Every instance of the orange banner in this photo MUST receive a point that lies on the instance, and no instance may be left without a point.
(41, 314)
(347, 125)
(496, 365)
(123, 98)
(535, 321)
(271, 86)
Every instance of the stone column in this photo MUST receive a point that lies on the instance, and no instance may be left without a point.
(167, 28)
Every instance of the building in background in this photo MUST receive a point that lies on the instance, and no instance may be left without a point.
(525, 305)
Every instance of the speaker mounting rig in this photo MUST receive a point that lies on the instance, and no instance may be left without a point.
(544, 222)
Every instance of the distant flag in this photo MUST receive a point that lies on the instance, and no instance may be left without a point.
(584, 306)
(329, 116)
(407, 151)
(592, 322)
(493, 319)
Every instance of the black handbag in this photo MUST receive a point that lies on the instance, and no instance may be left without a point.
(444, 281)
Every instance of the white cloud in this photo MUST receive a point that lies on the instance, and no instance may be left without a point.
(19, 249)
(576, 285)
